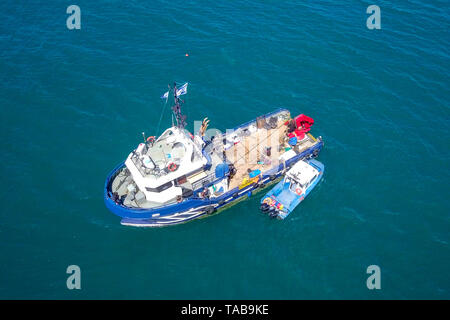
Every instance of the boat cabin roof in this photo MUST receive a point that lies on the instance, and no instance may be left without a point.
(149, 163)
(302, 172)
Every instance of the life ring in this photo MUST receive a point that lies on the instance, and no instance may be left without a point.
(268, 201)
(298, 191)
(151, 139)
(204, 193)
(172, 166)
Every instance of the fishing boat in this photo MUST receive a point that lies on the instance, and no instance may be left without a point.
(180, 176)
(293, 189)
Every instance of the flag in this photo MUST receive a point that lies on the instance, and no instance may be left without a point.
(165, 95)
(182, 90)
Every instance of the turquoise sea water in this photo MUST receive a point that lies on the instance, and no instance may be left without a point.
(74, 104)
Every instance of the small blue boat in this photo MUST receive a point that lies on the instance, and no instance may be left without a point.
(293, 189)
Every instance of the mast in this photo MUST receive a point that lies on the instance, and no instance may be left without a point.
(180, 118)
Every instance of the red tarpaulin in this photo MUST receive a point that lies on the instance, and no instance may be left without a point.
(303, 124)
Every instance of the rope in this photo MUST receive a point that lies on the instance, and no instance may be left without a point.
(160, 118)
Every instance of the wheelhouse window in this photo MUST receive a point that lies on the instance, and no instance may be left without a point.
(160, 188)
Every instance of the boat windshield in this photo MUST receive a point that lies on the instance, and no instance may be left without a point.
(294, 185)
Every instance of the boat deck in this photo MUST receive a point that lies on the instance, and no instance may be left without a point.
(250, 155)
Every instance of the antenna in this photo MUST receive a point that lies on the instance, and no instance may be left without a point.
(180, 118)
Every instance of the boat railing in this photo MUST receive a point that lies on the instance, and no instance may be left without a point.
(143, 170)
(203, 182)
(267, 115)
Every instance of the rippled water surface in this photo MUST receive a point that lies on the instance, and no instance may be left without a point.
(74, 104)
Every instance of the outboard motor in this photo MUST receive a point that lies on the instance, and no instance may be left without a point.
(264, 208)
(273, 214)
(272, 211)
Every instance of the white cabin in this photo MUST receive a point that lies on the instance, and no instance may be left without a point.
(157, 167)
(301, 174)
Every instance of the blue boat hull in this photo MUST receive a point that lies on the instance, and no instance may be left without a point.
(194, 208)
